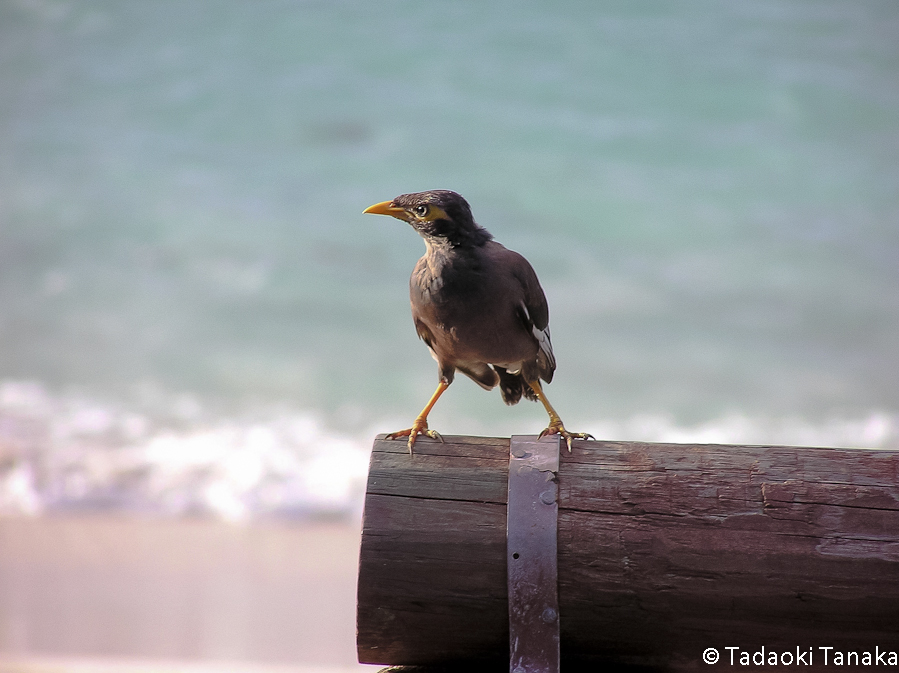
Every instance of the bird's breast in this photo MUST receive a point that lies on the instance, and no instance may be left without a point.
(469, 314)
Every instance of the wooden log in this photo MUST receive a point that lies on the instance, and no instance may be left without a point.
(664, 550)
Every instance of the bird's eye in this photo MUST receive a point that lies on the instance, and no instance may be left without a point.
(421, 210)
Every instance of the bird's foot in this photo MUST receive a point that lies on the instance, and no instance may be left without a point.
(419, 427)
(556, 427)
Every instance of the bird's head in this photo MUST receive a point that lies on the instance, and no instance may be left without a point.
(435, 214)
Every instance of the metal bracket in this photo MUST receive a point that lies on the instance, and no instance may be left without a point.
(531, 554)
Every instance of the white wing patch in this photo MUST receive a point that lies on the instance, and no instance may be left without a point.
(543, 342)
(545, 345)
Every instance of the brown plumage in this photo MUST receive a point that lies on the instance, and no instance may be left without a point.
(477, 305)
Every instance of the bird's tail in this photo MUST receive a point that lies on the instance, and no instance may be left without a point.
(513, 386)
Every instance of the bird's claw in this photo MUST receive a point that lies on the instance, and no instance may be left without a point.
(556, 428)
(419, 427)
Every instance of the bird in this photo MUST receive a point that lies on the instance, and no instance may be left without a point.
(477, 305)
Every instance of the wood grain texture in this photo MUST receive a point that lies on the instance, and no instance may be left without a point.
(664, 550)
(432, 569)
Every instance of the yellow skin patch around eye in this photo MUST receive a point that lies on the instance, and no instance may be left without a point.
(434, 213)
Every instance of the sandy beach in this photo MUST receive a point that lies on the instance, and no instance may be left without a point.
(116, 593)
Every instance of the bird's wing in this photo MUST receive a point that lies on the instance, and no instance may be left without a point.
(535, 313)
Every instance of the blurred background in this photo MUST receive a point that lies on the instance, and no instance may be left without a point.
(198, 326)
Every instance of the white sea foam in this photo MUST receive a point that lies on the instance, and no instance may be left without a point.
(876, 430)
(64, 452)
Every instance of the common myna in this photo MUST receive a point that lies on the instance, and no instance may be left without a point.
(477, 305)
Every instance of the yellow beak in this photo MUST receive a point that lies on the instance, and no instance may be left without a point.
(385, 208)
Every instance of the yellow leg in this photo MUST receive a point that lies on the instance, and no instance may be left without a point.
(420, 425)
(555, 427)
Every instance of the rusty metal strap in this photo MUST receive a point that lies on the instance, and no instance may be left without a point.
(531, 551)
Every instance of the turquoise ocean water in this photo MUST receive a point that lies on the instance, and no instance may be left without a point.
(195, 316)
